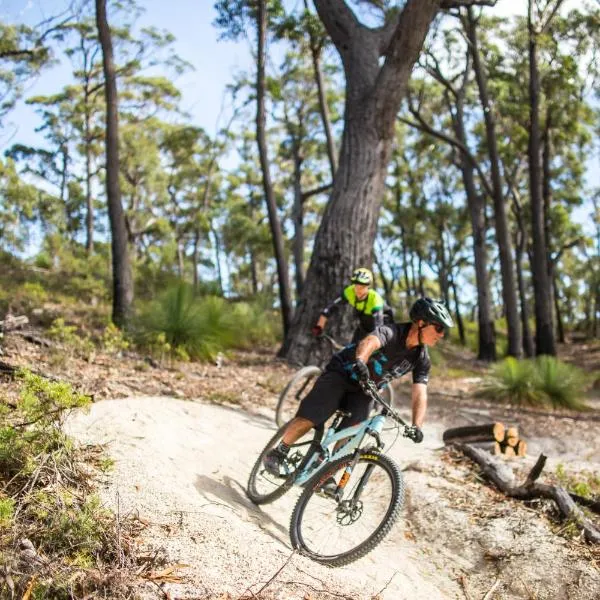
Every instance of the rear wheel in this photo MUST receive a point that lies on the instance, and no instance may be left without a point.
(293, 393)
(337, 531)
(263, 487)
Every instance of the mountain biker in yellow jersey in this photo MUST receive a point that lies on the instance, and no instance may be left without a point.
(389, 352)
(368, 304)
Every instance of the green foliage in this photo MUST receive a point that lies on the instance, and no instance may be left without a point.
(191, 327)
(512, 380)
(113, 340)
(72, 342)
(7, 507)
(541, 381)
(46, 497)
(583, 483)
(561, 384)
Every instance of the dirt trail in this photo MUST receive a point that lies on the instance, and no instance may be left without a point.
(183, 466)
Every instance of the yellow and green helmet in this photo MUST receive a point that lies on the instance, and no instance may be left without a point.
(362, 276)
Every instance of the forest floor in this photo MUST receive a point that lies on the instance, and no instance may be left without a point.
(184, 437)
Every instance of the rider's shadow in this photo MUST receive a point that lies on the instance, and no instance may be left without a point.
(231, 494)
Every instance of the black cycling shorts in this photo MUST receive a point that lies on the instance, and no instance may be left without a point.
(333, 390)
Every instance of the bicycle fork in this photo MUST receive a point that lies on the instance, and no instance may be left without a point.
(339, 491)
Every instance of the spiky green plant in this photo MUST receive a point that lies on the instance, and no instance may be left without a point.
(514, 381)
(541, 381)
(199, 328)
(561, 384)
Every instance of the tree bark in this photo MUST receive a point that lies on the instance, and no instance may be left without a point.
(459, 319)
(122, 275)
(275, 225)
(476, 206)
(298, 219)
(544, 334)
(373, 96)
(507, 269)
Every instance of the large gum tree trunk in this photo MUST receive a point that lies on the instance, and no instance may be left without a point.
(544, 334)
(122, 275)
(373, 96)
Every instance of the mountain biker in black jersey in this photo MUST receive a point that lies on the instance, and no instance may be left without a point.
(389, 352)
(370, 307)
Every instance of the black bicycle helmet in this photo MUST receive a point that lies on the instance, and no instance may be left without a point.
(431, 311)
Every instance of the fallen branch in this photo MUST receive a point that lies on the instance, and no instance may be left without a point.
(503, 478)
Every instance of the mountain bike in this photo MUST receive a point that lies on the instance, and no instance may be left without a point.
(301, 383)
(338, 523)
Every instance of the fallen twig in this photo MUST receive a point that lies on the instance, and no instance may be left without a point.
(503, 479)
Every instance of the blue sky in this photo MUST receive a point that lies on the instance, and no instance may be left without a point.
(190, 21)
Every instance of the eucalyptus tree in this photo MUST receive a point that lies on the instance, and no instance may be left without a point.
(377, 63)
(440, 102)
(121, 265)
(296, 105)
(24, 52)
(544, 334)
(19, 202)
(509, 291)
(235, 18)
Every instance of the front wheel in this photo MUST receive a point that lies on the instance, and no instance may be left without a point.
(293, 393)
(263, 487)
(338, 530)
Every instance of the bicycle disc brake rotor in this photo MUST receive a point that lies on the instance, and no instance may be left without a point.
(348, 513)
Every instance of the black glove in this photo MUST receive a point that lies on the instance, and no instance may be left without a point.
(317, 330)
(360, 369)
(415, 434)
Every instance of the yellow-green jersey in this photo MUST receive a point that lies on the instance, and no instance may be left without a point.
(370, 310)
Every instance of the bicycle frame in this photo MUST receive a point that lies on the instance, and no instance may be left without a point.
(356, 434)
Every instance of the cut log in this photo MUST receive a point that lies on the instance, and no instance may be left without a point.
(521, 448)
(491, 447)
(508, 451)
(497, 472)
(511, 436)
(489, 432)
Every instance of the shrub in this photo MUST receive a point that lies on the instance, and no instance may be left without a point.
(512, 380)
(541, 381)
(561, 384)
(189, 327)
(46, 500)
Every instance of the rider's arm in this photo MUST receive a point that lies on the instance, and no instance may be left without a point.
(366, 347)
(378, 317)
(419, 403)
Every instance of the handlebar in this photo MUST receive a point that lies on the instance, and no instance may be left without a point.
(335, 344)
(370, 388)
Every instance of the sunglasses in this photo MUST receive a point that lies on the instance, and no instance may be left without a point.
(439, 328)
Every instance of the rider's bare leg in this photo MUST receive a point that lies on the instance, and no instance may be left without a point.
(296, 429)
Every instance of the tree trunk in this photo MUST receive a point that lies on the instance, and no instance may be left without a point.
(560, 330)
(315, 51)
(275, 225)
(218, 260)
(459, 320)
(373, 96)
(476, 206)
(89, 203)
(195, 256)
(544, 334)
(520, 249)
(298, 220)
(122, 275)
(509, 293)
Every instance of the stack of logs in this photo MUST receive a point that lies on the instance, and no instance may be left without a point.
(492, 437)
